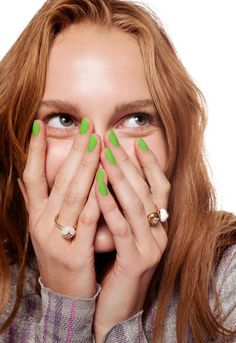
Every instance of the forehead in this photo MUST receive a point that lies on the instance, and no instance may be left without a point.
(87, 38)
(90, 56)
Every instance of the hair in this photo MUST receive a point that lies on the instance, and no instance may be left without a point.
(197, 233)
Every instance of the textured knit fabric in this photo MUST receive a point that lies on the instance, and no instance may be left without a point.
(54, 317)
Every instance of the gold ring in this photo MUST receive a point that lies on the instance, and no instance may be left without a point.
(67, 232)
(160, 215)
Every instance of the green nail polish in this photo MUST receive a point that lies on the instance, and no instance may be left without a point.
(92, 143)
(103, 188)
(100, 175)
(84, 126)
(142, 144)
(110, 157)
(35, 128)
(113, 139)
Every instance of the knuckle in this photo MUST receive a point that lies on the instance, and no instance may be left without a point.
(92, 195)
(26, 177)
(76, 145)
(142, 190)
(145, 191)
(138, 207)
(112, 209)
(167, 186)
(164, 188)
(122, 230)
(30, 178)
(87, 219)
(37, 148)
(120, 178)
(71, 197)
(124, 158)
(60, 182)
(85, 164)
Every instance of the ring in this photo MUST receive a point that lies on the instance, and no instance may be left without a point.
(160, 215)
(67, 232)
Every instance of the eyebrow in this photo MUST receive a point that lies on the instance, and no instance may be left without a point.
(70, 108)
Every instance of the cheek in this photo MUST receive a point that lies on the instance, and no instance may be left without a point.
(156, 144)
(57, 151)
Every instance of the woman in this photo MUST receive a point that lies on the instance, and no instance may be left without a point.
(87, 252)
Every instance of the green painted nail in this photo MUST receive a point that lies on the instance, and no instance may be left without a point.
(84, 126)
(113, 139)
(103, 188)
(142, 144)
(35, 128)
(100, 175)
(92, 143)
(110, 157)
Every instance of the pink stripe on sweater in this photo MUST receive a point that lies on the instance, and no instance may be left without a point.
(70, 323)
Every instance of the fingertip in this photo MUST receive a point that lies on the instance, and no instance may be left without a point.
(142, 144)
(101, 189)
(38, 133)
(36, 128)
(101, 176)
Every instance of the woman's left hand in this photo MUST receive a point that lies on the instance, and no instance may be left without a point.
(139, 246)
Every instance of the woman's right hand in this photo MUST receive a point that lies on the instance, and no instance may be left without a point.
(66, 266)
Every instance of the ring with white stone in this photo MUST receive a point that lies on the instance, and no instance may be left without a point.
(67, 232)
(163, 215)
(160, 215)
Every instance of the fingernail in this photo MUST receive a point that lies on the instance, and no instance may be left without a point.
(100, 175)
(113, 139)
(35, 128)
(110, 157)
(103, 189)
(142, 144)
(92, 143)
(84, 126)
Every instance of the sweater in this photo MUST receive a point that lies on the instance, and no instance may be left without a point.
(54, 317)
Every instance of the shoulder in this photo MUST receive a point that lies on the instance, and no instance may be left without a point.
(30, 280)
(30, 300)
(225, 278)
(226, 269)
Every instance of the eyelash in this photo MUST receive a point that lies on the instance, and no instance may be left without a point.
(149, 117)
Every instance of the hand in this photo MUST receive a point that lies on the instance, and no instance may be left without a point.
(139, 247)
(66, 266)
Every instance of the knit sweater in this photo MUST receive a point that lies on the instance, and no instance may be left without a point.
(54, 317)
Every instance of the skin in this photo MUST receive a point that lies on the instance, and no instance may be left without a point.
(97, 71)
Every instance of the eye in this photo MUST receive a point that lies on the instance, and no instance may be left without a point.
(61, 121)
(138, 120)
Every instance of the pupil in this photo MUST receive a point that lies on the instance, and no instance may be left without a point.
(142, 119)
(65, 120)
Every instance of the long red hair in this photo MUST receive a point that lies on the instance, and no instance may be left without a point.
(198, 234)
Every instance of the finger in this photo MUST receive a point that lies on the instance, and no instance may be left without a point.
(120, 229)
(159, 184)
(70, 166)
(23, 192)
(159, 187)
(78, 190)
(34, 173)
(87, 223)
(133, 175)
(131, 204)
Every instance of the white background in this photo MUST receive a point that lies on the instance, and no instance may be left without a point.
(204, 34)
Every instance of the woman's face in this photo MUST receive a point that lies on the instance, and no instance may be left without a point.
(98, 72)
